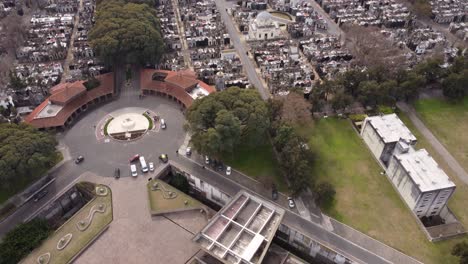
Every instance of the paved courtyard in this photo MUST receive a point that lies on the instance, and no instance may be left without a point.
(136, 237)
(104, 155)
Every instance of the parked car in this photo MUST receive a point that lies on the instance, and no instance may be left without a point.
(163, 124)
(188, 151)
(134, 158)
(207, 160)
(228, 171)
(133, 170)
(40, 195)
(151, 166)
(291, 203)
(163, 158)
(117, 173)
(274, 193)
(79, 159)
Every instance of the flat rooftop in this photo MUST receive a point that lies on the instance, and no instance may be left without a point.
(424, 170)
(50, 110)
(241, 231)
(390, 128)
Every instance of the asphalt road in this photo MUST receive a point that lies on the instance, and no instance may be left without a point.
(249, 67)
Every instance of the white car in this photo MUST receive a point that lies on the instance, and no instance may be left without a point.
(151, 166)
(188, 151)
(291, 202)
(228, 171)
(133, 170)
(207, 160)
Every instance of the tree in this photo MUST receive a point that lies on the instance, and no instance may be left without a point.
(126, 33)
(341, 101)
(324, 194)
(16, 82)
(431, 70)
(294, 158)
(295, 109)
(461, 250)
(370, 48)
(220, 121)
(455, 85)
(25, 154)
(23, 239)
(411, 84)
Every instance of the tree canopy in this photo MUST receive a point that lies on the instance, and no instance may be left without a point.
(20, 241)
(220, 121)
(24, 153)
(126, 33)
(461, 250)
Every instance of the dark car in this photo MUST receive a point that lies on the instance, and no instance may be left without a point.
(79, 159)
(134, 158)
(274, 193)
(164, 158)
(117, 173)
(40, 195)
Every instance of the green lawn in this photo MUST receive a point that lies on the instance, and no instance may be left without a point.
(449, 122)
(365, 199)
(79, 238)
(160, 205)
(257, 162)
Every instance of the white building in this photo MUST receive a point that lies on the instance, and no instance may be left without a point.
(422, 184)
(382, 133)
(263, 27)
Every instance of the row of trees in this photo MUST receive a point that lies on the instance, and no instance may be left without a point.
(294, 154)
(22, 240)
(221, 122)
(379, 85)
(126, 32)
(25, 153)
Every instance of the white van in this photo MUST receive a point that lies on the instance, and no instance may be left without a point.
(144, 168)
(133, 170)
(163, 124)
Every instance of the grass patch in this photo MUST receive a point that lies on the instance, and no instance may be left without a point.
(106, 125)
(365, 199)
(160, 205)
(449, 122)
(257, 162)
(80, 239)
(150, 120)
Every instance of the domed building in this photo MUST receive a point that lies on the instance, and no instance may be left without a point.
(263, 27)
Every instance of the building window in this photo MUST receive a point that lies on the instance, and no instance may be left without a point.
(433, 213)
(419, 211)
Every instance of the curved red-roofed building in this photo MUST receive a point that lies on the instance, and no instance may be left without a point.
(68, 100)
(181, 86)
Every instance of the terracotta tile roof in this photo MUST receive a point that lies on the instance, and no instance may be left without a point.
(169, 87)
(106, 87)
(182, 81)
(67, 92)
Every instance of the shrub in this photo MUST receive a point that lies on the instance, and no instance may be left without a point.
(385, 109)
(20, 241)
(324, 194)
(91, 83)
(357, 117)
